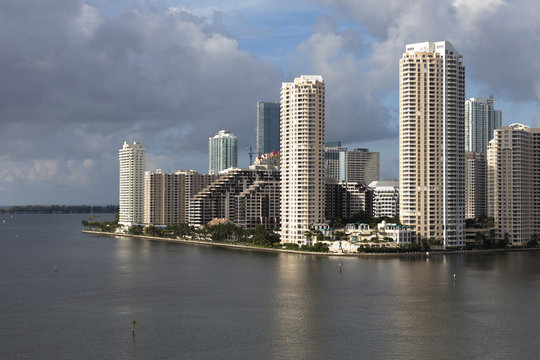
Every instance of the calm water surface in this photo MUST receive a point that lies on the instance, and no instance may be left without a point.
(195, 302)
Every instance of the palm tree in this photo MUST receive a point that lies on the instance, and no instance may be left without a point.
(319, 235)
(308, 234)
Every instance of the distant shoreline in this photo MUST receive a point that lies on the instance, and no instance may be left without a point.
(261, 249)
(59, 209)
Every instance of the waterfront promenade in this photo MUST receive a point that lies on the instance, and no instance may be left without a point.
(263, 249)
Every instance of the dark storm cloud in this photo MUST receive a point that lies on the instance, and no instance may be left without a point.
(76, 84)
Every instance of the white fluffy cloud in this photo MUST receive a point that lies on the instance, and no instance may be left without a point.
(353, 111)
(497, 38)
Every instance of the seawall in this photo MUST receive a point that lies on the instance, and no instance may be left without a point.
(255, 248)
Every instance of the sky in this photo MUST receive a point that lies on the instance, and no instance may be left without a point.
(80, 77)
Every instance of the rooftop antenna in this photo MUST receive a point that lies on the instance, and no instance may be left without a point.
(250, 153)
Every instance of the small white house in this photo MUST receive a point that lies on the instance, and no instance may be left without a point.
(359, 232)
(399, 233)
(324, 228)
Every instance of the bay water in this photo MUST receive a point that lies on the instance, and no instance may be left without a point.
(202, 302)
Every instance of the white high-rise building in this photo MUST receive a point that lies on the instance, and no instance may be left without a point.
(385, 198)
(432, 142)
(481, 120)
(132, 167)
(222, 152)
(302, 156)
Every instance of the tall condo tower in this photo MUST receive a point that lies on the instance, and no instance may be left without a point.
(222, 152)
(132, 166)
(475, 185)
(267, 127)
(432, 141)
(481, 120)
(302, 157)
(513, 186)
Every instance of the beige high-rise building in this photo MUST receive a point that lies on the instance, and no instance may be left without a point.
(358, 165)
(246, 197)
(259, 205)
(514, 182)
(475, 184)
(302, 156)
(155, 183)
(362, 166)
(432, 141)
(167, 196)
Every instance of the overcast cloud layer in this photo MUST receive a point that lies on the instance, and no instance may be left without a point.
(79, 79)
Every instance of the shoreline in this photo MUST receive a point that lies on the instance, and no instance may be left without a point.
(298, 252)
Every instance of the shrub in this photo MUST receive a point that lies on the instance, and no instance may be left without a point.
(291, 246)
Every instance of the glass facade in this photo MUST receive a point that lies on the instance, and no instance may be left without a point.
(481, 120)
(267, 127)
(222, 152)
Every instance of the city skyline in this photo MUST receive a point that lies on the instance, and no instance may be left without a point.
(170, 75)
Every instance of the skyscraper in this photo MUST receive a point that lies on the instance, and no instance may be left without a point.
(346, 199)
(334, 161)
(132, 166)
(222, 152)
(432, 141)
(358, 165)
(267, 127)
(167, 196)
(513, 186)
(302, 156)
(480, 121)
(475, 184)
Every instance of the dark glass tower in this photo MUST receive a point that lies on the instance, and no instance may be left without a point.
(267, 127)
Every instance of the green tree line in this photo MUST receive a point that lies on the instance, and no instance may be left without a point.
(363, 217)
(105, 226)
(221, 233)
(399, 249)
